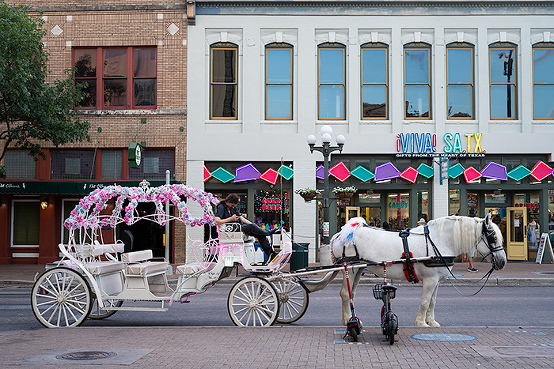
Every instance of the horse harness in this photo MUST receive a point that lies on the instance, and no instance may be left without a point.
(435, 261)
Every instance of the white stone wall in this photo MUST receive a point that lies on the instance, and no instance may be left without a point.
(260, 140)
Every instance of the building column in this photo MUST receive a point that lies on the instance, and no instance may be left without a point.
(195, 178)
(440, 194)
(304, 214)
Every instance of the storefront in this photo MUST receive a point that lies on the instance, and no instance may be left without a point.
(264, 194)
(398, 198)
(32, 214)
(520, 198)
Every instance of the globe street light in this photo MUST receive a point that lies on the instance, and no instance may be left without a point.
(326, 149)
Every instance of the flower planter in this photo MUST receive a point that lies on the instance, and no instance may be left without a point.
(309, 197)
(344, 195)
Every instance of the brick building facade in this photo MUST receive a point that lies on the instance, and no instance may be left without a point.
(122, 35)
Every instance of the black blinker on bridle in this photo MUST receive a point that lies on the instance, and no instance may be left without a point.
(489, 237)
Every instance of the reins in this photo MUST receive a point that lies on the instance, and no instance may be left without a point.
(437, 252)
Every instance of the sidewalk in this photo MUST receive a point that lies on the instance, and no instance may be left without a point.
(513, 274)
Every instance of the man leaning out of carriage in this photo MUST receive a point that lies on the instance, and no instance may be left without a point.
(227, 212)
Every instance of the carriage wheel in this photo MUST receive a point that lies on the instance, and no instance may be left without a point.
(253, 302)
(293, 300)
(61, 297)
(97, 313)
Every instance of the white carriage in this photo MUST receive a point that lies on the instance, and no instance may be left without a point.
(96, 279)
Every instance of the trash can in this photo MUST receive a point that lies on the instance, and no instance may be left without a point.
(299, 257)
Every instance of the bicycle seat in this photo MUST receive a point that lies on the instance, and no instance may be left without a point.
(388, 288)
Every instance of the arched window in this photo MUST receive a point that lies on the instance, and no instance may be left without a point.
(223, 81)
(417, 81)
(331, 81)
(278, 81)
(375, 81)
(460, 97)
(503, 78)
(543, 80)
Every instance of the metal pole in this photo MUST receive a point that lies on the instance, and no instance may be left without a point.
(167, 175)
(326, 200)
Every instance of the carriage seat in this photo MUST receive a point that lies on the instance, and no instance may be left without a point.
(137, 263)
(193, 268)
(237, 237)
(99, 266)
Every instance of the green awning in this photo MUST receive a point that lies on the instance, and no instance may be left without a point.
(65, 187)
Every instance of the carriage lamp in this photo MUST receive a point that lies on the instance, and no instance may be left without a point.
(44, 204)
(326, 149)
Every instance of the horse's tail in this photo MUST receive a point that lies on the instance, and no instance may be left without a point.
(345, 237)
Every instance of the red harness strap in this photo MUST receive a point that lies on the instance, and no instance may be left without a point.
(409, 270)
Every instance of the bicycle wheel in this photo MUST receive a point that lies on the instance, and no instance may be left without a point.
(61, 297)
(392, 327)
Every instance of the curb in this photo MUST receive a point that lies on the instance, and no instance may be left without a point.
(492, 282)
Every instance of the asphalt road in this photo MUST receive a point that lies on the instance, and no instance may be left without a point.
(492, 307)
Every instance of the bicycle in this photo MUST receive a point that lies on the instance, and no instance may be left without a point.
(386, 292)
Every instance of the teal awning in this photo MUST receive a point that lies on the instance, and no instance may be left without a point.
(65, 187)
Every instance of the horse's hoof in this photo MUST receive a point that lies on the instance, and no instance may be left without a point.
(434, 324)
(421, 324)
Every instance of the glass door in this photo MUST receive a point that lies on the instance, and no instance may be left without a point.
(516, 240)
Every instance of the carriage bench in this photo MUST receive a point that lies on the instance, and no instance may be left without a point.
(145, 278)
(96, 250)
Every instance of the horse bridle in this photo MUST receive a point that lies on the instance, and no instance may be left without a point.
(489, 238)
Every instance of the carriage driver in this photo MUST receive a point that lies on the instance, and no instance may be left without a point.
(226, 212)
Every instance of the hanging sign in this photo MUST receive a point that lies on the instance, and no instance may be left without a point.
(135, 155)
(544, 245)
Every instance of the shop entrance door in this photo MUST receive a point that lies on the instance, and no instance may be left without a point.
(516, 238)
(352, 212)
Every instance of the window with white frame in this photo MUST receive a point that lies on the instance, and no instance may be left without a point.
(417, 81)
(375, 87)
(503, 79)
(331, 81)
(460, 82)
(278, 81)
(223, 80)
(543, 80)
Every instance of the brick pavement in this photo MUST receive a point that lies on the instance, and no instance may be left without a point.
(286, 347)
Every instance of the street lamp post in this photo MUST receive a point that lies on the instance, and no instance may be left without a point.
(326, 149)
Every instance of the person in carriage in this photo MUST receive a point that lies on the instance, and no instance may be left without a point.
(227, 212)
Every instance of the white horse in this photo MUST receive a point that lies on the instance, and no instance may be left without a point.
(452, 236)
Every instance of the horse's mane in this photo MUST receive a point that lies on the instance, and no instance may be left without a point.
(463, 231)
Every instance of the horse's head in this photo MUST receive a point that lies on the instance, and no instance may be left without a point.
(490, 244)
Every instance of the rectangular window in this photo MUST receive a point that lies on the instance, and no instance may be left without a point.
(543, 81)
(223, 81)
(72, 164)
(502, 60)
(460, 95)
(111, 164)
(26, 223)
(154, 164)
(331, 81)
(417, 81)
(124, 79)
(375, 87)
(278, 81)
(20, 165)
